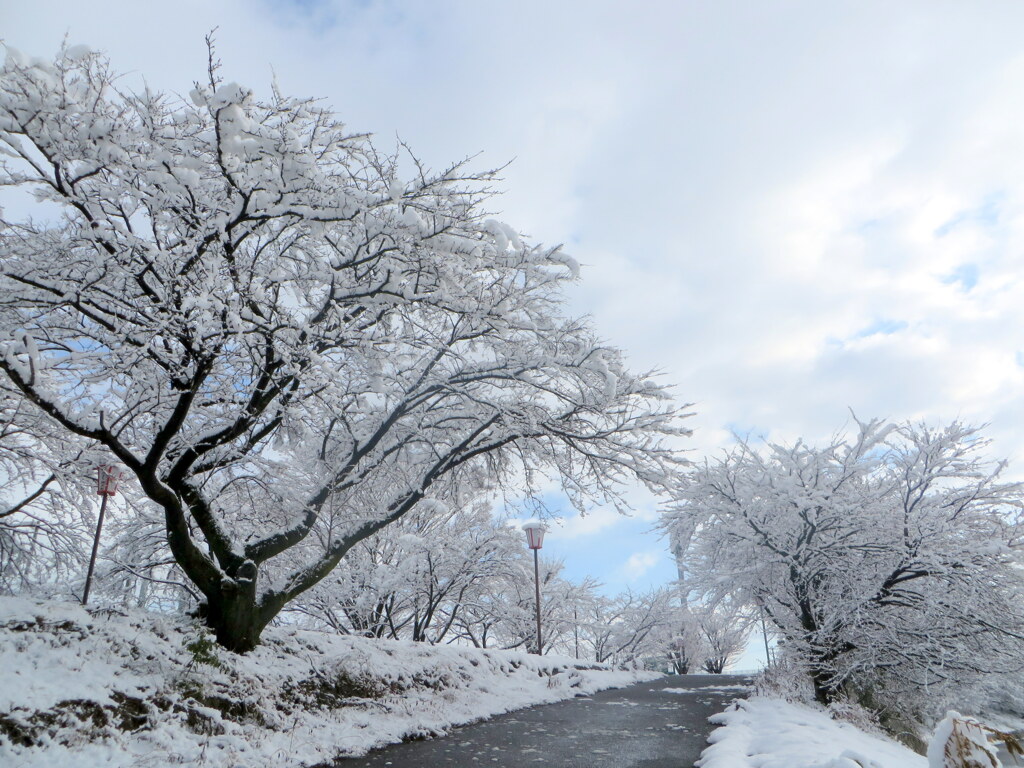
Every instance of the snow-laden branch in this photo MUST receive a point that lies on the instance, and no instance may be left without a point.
(255, 312)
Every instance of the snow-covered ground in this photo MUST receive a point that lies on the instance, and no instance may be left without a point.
(90, 688)
(110, 688)
(772, 733)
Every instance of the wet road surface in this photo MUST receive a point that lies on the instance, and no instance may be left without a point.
(662, 724)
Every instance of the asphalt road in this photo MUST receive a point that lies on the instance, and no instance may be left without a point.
(662, 724)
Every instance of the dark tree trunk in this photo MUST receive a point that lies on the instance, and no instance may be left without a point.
(681, 662)
(822, 646)
(824, 691)
(235, 623)
(234, 616)
(233, 612)
(715, 666)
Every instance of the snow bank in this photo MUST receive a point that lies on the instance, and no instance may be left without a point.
(95, 687)
(773, 733)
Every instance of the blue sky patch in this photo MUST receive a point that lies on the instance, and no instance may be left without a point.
(965, 274)
(985, 215)
(881, 328)
(747, 432)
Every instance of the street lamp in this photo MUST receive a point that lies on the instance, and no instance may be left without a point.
(107, 478)
(534, 540)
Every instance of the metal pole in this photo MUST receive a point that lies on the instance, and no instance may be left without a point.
(95, 549)
(576, 630)
(536, 582)
(764, 633)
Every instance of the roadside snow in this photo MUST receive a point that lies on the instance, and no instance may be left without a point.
(773, 733)
(95, 687)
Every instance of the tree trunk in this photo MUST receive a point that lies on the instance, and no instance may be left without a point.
(715, 666)
(823, 672)
(824, 691)
(235, 617)
(821, 655)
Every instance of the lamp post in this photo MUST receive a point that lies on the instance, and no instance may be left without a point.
(107, 478)
(534, 539)
(764, 633)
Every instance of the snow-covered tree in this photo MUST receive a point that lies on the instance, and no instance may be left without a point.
(685, 647)
(416, 578)
(285, 338)
(887, 563)
(628, 626)
(501, 612)
(511, 603)
(47, 493)
(135, 567)
(725, 629)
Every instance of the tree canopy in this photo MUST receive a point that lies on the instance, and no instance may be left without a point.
(889, 561)
(281, 330)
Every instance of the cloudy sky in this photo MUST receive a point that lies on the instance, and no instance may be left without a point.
(791, 209)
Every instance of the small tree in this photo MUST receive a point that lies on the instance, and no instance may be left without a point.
(726, 630)
(686, 647)
(255, 313)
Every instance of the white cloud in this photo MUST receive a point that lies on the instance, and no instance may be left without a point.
(639, 563)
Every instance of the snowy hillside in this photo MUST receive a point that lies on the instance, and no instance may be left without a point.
(94, 687)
